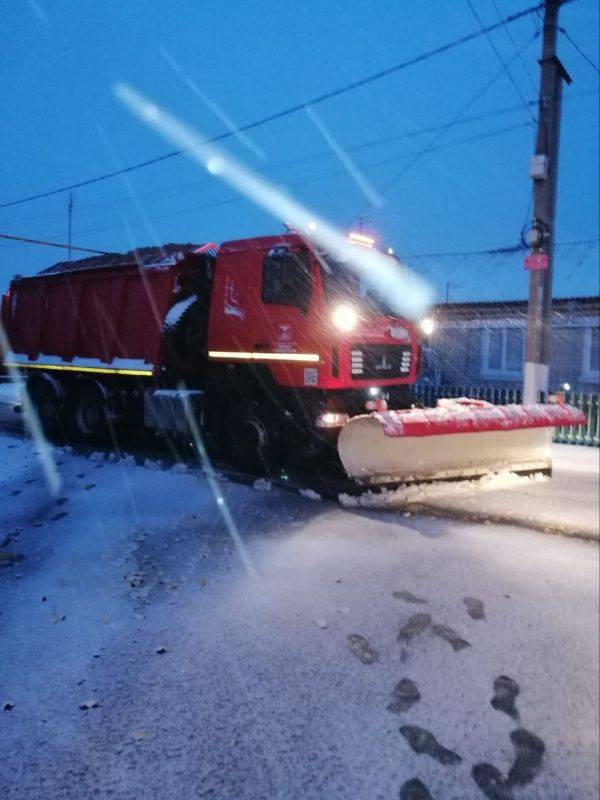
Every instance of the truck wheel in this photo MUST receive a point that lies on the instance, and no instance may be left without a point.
(256, 443)
(47, 404)
(89, 415)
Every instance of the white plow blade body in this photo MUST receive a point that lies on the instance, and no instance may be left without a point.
(459, 439)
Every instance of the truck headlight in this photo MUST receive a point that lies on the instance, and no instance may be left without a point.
(344, 318)
(427, 325)
(332, 419)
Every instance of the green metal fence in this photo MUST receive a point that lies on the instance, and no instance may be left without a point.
(588, 402)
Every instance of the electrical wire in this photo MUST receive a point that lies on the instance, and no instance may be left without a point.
(291, 109)
(323, 154)
(322, 176)
(526, 221)
(501, 60)
(579, 50)
(491, 251)
(514, 44)
(52, 244)
(448, 126)
(91, 208)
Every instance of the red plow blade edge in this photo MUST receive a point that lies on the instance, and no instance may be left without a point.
(460, 438)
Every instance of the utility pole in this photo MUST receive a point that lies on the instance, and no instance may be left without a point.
(70, 222)
(544, 172)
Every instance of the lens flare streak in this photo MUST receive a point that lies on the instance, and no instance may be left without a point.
(406, 294)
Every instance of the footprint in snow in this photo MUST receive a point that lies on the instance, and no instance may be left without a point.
(415, 625)
(423, 741)
(61, 501)
(405, 695)
(491, 782)
(529, 750)
(361, 648)
(409, 597)
(58, 516)
(7, 559)
(505, 694)
(89, 486)
(81, 475)
(414, 789)
(15, 492)
(529, 754)
(31, 480)
(475, 607)
(451, 636)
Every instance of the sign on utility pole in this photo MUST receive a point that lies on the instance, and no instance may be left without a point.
(544, 172)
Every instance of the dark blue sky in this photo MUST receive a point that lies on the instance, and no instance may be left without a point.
(63, 124)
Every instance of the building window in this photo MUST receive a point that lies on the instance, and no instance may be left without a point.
(502, 352)
(591, 355)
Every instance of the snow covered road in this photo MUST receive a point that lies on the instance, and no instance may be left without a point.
(126, 595)
(568, 503)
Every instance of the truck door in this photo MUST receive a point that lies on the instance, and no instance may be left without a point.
(285, 295)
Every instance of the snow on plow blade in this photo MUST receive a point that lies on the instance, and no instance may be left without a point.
(459, 438)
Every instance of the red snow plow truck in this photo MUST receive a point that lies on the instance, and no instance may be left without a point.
(277, 350)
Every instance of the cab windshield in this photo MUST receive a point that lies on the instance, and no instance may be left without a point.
(343, 284)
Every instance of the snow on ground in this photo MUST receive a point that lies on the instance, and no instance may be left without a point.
(568, 503)
(9, 398)
(127, 592)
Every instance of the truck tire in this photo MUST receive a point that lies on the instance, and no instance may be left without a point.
(255, 438)
(89, 414)
(48, 405)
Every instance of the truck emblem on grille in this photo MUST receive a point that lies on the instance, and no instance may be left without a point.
(399, 333)
(383, 364)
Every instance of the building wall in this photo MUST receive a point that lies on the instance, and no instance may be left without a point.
(485, 346)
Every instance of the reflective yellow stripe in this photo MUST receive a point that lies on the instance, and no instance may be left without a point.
(307, 357)
(72, 368)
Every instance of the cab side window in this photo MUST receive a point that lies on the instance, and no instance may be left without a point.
(286, 278)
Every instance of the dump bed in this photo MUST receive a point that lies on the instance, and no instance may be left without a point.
(108, 318)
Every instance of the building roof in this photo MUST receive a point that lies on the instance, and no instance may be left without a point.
(571, 307)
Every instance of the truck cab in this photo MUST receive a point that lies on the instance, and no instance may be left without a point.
(307, 320)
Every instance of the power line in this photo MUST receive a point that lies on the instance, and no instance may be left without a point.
(491, 251)
(579, 50)
(449, 125)
(501, 60)
(52, 244)
(494, 251)
(291, 109)
(512, 41)
(327, 175)
(324, 154)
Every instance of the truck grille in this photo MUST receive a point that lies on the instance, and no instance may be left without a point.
(380, 360)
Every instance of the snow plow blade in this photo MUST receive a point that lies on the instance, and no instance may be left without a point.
(460, 438)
